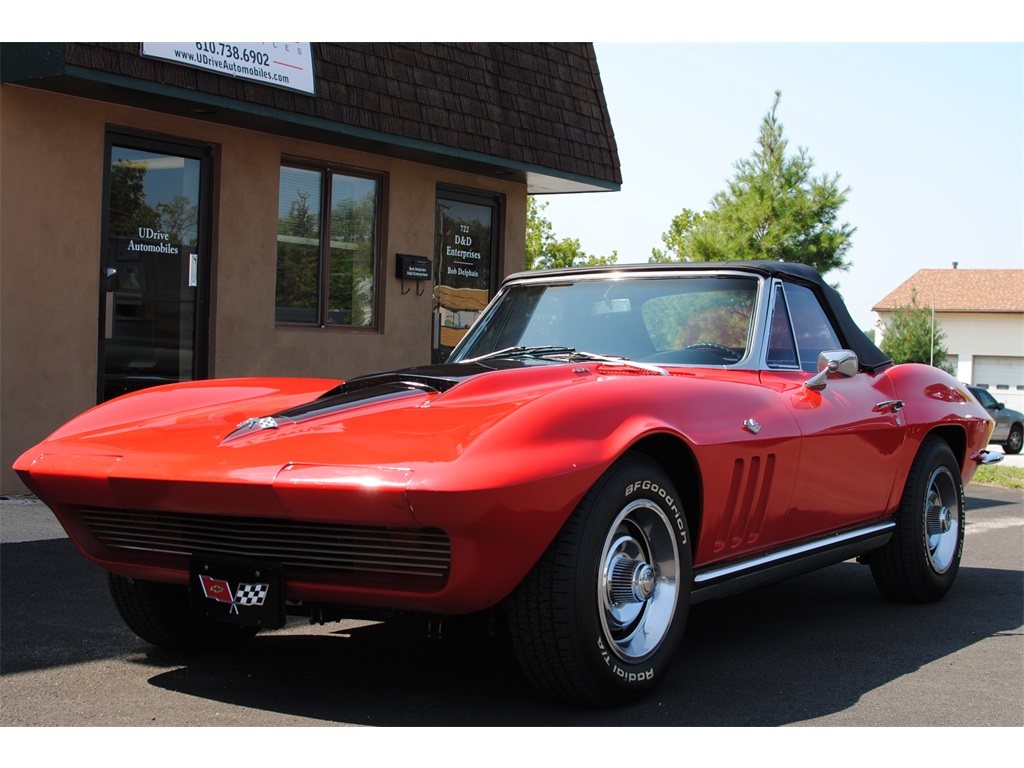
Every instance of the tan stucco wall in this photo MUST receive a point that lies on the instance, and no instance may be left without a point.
(51, 188)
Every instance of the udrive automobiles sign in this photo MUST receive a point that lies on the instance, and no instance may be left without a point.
(285, 65)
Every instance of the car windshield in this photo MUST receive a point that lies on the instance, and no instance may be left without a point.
(684, 320)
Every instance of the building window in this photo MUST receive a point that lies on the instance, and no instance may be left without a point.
(327, 248)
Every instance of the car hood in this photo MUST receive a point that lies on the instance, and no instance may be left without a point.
(247, 431)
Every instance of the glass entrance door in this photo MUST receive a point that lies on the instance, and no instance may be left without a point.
(465, 249)
(153, 316)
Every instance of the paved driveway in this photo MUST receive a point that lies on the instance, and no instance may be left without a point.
(821, 649)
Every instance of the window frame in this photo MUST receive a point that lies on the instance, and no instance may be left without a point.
(780, 298)
(779, 303)
(327, 170)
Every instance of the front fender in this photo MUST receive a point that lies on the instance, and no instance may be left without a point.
(546, 454)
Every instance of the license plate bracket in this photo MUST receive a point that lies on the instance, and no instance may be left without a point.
(237, 590)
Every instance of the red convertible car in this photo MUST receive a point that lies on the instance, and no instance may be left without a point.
(605, 448)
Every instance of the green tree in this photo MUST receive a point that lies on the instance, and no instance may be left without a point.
(128, 207)
(350, 290)
(773, 208)
(914, 336)
(298, 255)
(545, 251)
(180, 219)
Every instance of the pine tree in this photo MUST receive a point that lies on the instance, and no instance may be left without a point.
(773, 208)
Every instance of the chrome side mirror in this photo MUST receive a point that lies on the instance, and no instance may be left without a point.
(841, 361)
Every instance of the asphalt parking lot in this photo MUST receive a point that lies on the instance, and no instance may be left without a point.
(823, 649)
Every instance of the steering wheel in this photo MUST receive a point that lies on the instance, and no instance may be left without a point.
(722, 350)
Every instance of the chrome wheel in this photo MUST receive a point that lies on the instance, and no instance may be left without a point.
(920, 562)
(638, 582)
(942, 520)
(599, 617)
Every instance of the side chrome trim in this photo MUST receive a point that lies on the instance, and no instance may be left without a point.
(719, 581)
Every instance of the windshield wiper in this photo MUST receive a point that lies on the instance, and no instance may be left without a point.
(579, 357)
(570, 354)
(522, 352)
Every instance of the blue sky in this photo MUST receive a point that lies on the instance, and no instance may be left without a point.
(929, 137)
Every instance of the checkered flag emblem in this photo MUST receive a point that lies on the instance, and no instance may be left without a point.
(251, 594)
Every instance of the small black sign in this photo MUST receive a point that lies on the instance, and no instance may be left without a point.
(413, 267)
(237, 591)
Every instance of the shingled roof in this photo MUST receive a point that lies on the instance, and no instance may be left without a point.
(532, 111)
(960, 290)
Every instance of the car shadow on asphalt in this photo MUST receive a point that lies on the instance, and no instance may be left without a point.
(803, 649)
(55, 609)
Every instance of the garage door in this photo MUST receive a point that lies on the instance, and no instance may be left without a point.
(1003, 377)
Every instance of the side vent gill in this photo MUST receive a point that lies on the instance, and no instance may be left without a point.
(747, 503)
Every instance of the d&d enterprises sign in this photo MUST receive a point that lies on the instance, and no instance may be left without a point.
(285, 65)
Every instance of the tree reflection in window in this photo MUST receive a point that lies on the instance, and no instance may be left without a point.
(326, 276)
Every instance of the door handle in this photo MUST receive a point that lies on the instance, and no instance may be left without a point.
(890, 405)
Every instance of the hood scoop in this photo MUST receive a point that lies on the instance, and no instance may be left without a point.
(439, 378)
(371, 389)
(338, 399)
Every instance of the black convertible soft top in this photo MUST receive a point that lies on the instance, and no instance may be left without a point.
(871, 358)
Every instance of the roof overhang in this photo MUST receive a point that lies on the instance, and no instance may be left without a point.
(52, 73)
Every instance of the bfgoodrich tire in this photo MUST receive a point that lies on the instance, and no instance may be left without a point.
(598, 619)
(160, 615)
(920, 562)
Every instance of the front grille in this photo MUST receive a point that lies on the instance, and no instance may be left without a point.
(331, 549)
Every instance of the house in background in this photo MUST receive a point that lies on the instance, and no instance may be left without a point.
(981, 313)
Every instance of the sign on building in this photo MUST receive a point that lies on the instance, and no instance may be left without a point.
(285, 65)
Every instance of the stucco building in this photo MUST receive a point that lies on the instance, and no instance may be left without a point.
(190, 210)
